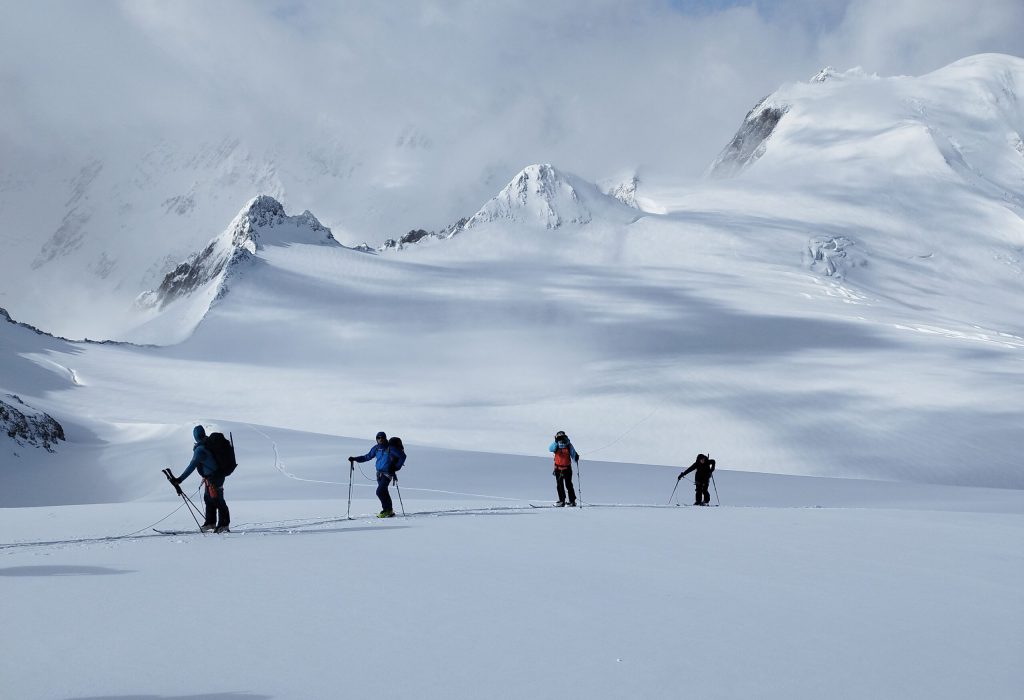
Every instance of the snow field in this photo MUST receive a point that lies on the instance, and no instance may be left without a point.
(599, 602)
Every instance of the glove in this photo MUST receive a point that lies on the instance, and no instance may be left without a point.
(176, 481)
(679, 477)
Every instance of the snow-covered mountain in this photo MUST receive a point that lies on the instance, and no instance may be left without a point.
(84, 232)
(261, 222)
(540, 195)
(198, 282)
(965, 120)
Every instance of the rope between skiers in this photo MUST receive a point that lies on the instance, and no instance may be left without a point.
(280, 466)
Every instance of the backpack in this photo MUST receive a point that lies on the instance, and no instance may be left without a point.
(396, 443)
(223, 452)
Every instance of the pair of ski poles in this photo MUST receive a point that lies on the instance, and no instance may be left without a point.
(717, 499)
(351, 470)
(192, 508)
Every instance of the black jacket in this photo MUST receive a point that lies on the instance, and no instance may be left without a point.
(703, 469)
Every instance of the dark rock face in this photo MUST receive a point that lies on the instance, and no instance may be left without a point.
(749, 142)
(419, 234)
(28, 427)
(192, 274)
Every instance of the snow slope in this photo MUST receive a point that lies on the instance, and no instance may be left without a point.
(483, 594)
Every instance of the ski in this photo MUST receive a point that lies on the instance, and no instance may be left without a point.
(177, 532)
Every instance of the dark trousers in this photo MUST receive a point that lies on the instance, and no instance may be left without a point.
(701, 494)
(383, 480)
(563, 482)
(217, 512)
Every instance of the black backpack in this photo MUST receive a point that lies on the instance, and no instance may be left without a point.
(396, 443)
(223, 451)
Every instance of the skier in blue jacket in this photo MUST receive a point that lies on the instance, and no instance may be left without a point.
(218, 517)
(388, 461)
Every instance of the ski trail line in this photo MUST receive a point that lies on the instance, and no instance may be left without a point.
(281, 468)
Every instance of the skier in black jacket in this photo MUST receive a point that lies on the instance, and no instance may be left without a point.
(704, 468)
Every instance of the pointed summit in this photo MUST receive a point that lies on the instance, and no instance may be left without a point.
(262, 222)
(541, 194)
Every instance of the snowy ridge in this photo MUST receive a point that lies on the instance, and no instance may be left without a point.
(260, 223)
(541, 196)
(750, 141)
(623, 190)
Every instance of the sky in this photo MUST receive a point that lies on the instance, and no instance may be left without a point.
(601, 85)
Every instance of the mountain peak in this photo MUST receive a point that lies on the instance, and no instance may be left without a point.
(261, 222)
(539, 194)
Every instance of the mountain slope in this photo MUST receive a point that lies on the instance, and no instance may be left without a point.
(197, 283)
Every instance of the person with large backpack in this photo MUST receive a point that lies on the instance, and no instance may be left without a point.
(565, 455)
(705, 468)
(389, 459)
(205, 461)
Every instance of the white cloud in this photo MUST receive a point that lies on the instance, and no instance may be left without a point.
(474, 88)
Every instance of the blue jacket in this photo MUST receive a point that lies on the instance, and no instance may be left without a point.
(572, 450)
(388, 459)
(202, 459)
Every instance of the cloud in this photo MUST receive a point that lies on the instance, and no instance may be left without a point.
(462, 92)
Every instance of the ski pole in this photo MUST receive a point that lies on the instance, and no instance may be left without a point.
(399, 495)
(579, 478)
(192, 507)
(351, 468)
(673, 492)
(188, 501)
(717, 499)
